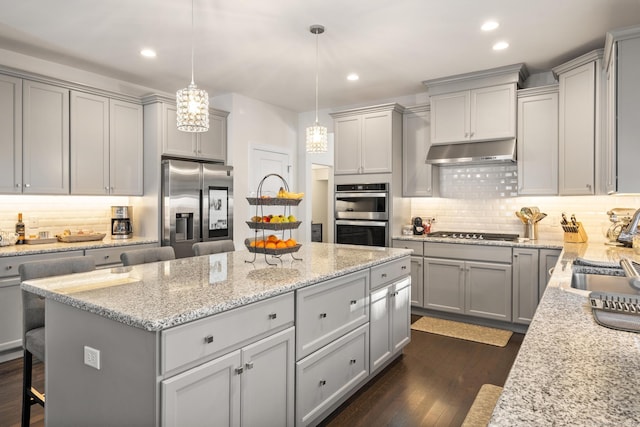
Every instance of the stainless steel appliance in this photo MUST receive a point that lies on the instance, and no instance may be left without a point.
(631, 229)
(362, 214)
(121, 222)
(463, 235)
(197, 204)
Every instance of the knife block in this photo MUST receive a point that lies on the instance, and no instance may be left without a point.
(575, 234)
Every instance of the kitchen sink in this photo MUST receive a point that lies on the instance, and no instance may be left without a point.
(603, 282)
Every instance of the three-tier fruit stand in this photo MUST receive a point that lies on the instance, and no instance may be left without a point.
(260, 202)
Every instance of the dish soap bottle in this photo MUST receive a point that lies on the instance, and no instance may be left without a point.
(20, 229)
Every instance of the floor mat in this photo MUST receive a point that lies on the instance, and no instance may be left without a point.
(480, 412)
(449, 328)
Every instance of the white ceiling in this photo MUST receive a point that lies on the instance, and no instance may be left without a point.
(263, 48)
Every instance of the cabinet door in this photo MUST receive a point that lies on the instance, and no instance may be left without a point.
(444, 285)
(175, 142)
(488, 290)
(207, 395)
(45, 143)
(417, 281)
(10, 135)
(10, 315)
(377, 137)
(609, 152)
(348, 143)
(525, 284)
(89, 144)
(380, 327)
(416, 140)
(400, 309)
(538, 144)
(126, 149)
(450, 119)
(548, 260)
(212, 145)
(493, 112)
(577, 130)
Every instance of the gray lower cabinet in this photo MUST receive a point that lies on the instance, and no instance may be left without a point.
(547, 259)
(525, 284)
(389, 322)
(417, 269)
(252, 386)
(11, 301)
(468, 279)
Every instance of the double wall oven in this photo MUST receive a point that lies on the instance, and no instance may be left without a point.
(362, 214)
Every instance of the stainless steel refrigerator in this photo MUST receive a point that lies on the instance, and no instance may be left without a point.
(197, 204)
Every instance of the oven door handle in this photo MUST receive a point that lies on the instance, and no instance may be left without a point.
(362, 223)
(360, 195)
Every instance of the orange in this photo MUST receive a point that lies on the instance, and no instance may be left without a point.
(272, 238)
(270, 245)
(281, 245)
(291, 243)
(252, 244)
(260, 244)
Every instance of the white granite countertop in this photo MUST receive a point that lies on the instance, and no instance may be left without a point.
(522, 243)
(160, 295)
(107, 242)
(570, 371)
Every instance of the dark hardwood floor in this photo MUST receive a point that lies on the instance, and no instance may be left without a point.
(433, 384)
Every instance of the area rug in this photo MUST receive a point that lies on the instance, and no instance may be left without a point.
(480, 412)
(449, 328)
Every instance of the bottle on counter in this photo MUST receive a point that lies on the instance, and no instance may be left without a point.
(20, 229)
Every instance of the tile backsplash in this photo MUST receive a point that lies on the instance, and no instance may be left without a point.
(57, 213)
(479, 182)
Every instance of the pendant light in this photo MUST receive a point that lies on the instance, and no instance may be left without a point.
(192, 103)
(316, 134)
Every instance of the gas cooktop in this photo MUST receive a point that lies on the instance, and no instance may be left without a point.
(474, 236)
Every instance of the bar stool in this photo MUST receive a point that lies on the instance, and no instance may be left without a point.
(146, 255)
(33, 320)
(215, 247)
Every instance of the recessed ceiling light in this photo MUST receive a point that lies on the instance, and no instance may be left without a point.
(148, 53)
(500, 46)
(353, 77)
(489, 25)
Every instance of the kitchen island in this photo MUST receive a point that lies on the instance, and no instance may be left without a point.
(174, 342)
(570, 371)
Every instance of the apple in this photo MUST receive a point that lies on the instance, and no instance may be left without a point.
(266, 219)
(292, 218)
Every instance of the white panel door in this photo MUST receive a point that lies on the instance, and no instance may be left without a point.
(264, 162)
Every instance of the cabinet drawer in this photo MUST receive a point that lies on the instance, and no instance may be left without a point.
(109, 256)
(409, 244)
(328, 374)
(9, 265)
(390, 271)
(329, 310)
(205, 337)
(468, 252)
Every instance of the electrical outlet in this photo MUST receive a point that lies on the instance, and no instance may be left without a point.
(92, 357)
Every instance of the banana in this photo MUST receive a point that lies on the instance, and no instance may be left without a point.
(284, 194)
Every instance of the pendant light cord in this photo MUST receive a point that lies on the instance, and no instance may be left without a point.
(192, 43)
(316, 78)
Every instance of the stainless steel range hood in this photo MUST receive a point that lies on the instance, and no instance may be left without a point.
(469, 153)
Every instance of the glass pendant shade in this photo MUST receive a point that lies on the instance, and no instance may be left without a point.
(193, 109)
(317, 139)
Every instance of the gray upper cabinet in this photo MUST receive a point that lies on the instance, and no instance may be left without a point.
(419, 179)
(579, 123)
(622, 119)
(475, 106)
(210, 145)
(538, 141)
(365, 138)
(45, 139)
(106, 146)
(10, 134)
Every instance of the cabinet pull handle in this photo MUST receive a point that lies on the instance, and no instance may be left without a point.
(248, 365)
(352, 362)
(322, 382)
(404, 267)
(27, 185)
(323, 315)
(353, 302)
(18, 185)
(272, 316)
(384, 275)
(239, 370)
(9, 267)
(106, 257)
(208, 339)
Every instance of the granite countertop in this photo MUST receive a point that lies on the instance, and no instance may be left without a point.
(522, 243)
(570, 371)
(107, 242)
(160, 295)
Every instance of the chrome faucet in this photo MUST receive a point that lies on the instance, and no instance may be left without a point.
(627, 233)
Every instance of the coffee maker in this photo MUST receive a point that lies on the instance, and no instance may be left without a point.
(121, 222)
(418, 228)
